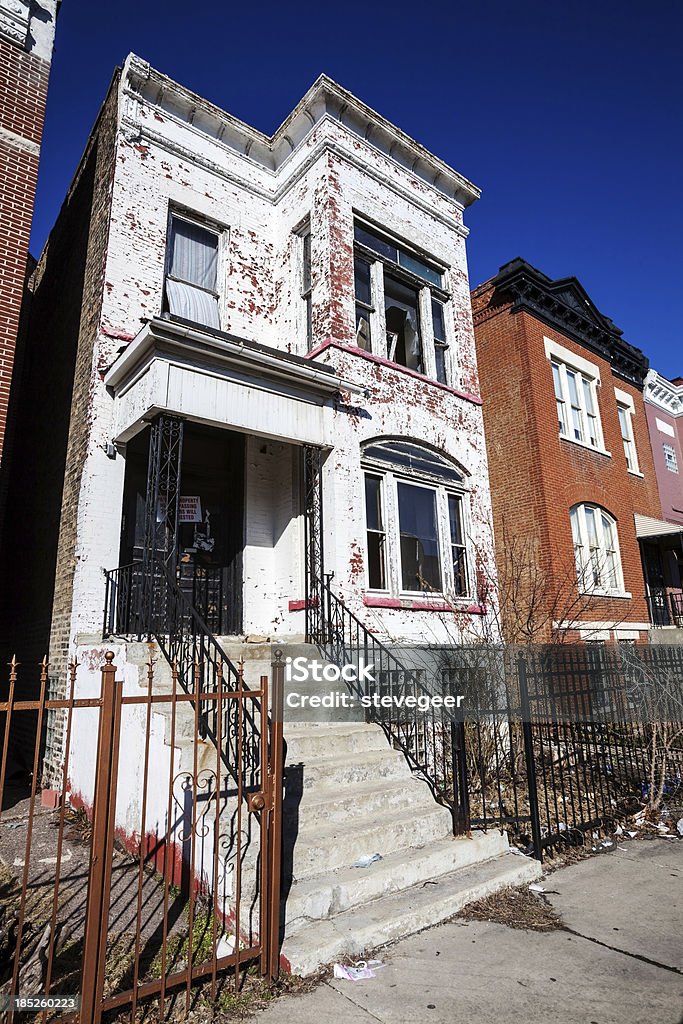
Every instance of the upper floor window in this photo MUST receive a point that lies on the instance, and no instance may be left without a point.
(415, 520)
(402, 308)
(596, 550)
(307, 283)
(670, 458)
(626, 411)
(191, 284)
(575, 383)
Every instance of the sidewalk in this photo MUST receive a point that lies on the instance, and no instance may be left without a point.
(619, 959)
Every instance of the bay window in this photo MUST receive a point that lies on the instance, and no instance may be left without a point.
(415, 520)
(402, 307)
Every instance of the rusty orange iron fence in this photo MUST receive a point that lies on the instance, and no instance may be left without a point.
(154, 871)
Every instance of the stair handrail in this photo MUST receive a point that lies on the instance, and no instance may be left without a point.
(337, 628)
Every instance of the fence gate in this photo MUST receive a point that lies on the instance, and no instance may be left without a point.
(154, 871)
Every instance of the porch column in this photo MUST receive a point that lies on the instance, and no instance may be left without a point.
(313, 540)
(163, 491)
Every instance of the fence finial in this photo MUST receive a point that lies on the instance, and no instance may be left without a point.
(109, 657)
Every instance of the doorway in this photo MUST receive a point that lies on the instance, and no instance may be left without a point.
(208, 542)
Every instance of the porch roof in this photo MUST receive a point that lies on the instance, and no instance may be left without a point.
(649, 528)
(214, 377)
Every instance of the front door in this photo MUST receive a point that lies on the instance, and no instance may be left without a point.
(209, 533)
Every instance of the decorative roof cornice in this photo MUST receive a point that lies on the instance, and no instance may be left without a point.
(663, 393)
(14, 20)
(325, 100)
(565, 305)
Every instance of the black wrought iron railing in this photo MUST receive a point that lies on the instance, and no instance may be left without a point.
(142, 600)
(399, 698)
(665, 607)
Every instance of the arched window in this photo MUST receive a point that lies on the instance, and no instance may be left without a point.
(415, 520)
(596, 550)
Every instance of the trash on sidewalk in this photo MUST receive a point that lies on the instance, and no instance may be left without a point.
(618, 831)
(535, 887)
(679, 826)
(606, 846)
(366, 860)
(359, 971)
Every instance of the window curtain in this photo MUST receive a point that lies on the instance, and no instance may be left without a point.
(193, 273)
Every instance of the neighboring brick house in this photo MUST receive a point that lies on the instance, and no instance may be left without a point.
(263, 303)
(26, 40)
(663, 542)
(569, 454)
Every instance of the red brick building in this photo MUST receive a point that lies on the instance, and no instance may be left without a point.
(26, 41)
(569, 455)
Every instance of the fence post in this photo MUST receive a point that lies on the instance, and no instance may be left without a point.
(529, 757)
(275, 837)
(101, 846)
(461, 803)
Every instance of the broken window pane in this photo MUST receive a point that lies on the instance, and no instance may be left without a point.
(404, 344)
(420, 568)
(362, 281)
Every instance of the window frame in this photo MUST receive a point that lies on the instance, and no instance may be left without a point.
(197, 220)
(306, 289)
(390, 478)
(427, 291)
(584, 557)
(670, 463)
(577, 405)
(626, 405)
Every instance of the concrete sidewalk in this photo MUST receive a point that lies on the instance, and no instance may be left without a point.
(619, 962)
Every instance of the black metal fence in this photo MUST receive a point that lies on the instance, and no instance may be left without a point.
(548, 742)
(561, 740)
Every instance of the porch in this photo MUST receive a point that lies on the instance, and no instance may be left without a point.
(661, 546)
(223, 443)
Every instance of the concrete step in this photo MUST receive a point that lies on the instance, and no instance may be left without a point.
(323, 806)
(336, 845)
(325, 895)
(349, 769)
(397, 915)
(313, 741)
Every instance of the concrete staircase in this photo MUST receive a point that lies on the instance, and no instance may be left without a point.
(354, 795)
(349, 794)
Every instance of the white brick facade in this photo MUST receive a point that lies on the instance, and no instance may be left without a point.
(331, 160)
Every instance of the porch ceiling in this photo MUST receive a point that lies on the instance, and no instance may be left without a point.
(213, 377)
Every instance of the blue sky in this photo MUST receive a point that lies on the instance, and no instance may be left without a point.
(567, 116)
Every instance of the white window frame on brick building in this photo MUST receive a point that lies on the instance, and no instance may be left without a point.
(192, 285)
(626, 410)
(670, 457)
(575, 385)
(596, 551)
(404, 479)
(392, 277)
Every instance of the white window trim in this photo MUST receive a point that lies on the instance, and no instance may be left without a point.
(617, 591)
(672, 448)
(378, 327)
(393, 569)
(222, 232)
(626, 402)
(567, 360)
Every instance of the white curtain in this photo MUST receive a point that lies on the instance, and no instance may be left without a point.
(194, 266)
